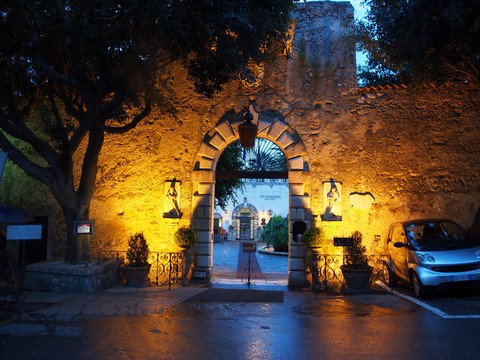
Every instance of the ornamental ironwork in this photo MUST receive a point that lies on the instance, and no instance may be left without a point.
(166, 267)
(327, 275)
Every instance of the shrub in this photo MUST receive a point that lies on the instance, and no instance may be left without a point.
(313, 237)
(356, 254)
(275, 233)
(137, 251)
(185, 237)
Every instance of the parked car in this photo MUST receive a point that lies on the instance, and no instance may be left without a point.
(431, 254)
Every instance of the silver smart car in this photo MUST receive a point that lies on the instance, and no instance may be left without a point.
(431, 254)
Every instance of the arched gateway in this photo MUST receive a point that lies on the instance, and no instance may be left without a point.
(270, 127)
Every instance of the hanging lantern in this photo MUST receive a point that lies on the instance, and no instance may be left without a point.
(247, 131)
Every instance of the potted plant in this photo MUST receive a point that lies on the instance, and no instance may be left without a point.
(137, 267)
(185, 238)
(356, 271)
(314, 239)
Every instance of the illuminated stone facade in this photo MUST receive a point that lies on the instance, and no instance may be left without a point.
(395, 154)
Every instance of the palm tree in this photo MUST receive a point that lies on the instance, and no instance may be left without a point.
(265, 156)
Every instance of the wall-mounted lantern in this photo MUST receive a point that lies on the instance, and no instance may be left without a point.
(247, 130)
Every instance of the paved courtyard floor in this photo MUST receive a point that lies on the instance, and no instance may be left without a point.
(225, 264)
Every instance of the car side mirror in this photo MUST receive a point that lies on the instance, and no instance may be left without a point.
(399, 244)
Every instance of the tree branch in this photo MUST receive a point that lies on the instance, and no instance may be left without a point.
(132, 124)
(32, 169)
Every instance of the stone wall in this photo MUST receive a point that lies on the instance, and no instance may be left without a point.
(398, 153)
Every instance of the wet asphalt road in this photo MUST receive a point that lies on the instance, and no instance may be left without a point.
(159, 324)
(304, 326)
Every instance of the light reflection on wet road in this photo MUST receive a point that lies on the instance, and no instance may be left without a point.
(168, 325)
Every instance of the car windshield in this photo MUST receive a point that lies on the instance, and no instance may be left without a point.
(438, 236)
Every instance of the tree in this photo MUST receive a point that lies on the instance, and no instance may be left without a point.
(265, 156)
(415, 41)
(276, 233)
(226, 189)
(95, 67)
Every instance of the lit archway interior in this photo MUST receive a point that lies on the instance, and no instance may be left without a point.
(271, 127)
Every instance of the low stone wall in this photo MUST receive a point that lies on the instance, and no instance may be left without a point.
(59, 276)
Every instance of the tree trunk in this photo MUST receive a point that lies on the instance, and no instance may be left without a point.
(77, 246)
(76, 206)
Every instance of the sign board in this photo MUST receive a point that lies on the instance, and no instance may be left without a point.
(249, 247)
(200, 274)
(24, 232)
(83, 227)
(342, 241)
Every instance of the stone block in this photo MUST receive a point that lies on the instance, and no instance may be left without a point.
(58, 276)
(225, 131)
(217, 141)
(285, 140)
(296, 264)
(201, 200)
(206, 163)
(297, 214)
(205, 188)
(295, 163)
(297, 251)
(204, 261)
(202, 225)
(297, 279)
(300, 201)
(203, 236)
(207, 151)
(203, 212)
(297, 189)
(202, 249)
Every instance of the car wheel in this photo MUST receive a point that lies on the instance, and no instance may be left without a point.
(418, 288)
(388, 275)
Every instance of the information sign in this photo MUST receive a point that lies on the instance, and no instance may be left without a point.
(249, 247)
(24, 232)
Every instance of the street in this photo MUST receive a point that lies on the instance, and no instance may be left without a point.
(305, 326)
(273, 322)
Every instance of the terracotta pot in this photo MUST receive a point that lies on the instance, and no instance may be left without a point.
(357, 279)
(136, 276)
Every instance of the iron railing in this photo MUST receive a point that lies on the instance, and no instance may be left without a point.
(166, 267)
(327, 274)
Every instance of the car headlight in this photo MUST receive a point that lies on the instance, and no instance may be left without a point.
(426, 258)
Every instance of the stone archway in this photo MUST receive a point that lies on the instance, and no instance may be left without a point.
(271, 127)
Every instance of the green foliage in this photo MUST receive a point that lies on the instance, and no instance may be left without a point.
(356, 254)
(225, 189)
(185, 237)
(275, 233)
(137, 251)
(266, 156)
(420, 41)
(313, 237)
(101, 67)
